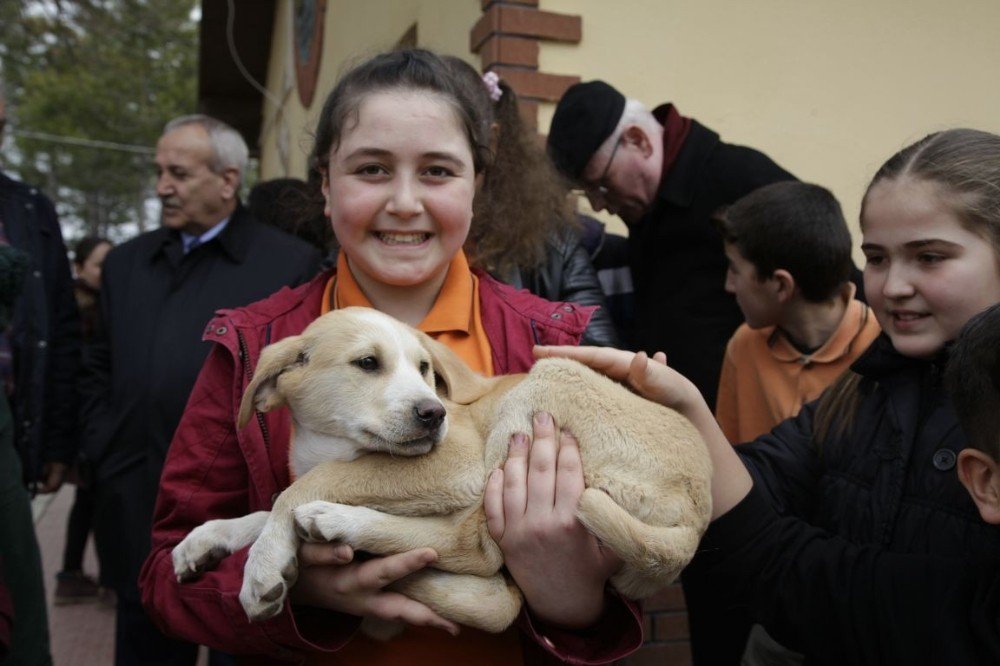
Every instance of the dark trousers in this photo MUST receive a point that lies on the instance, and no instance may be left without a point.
(139, 643)
(81, 519)
(22, 561)
(126, 500)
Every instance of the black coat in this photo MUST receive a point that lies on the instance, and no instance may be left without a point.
(45, 333)
(843, 603)
(678, 263)
(889, 481)
(568, 275)
(156, 302)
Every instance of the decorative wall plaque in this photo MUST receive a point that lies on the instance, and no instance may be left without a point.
(310, 18)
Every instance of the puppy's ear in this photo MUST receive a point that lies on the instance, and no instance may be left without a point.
(262, 394)
(461, 383)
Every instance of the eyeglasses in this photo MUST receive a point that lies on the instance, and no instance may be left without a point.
(600, 188)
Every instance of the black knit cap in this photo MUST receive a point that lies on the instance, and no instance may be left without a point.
(585, 117)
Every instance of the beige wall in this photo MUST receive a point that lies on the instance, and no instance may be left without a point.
(828, 88)
(354, 29)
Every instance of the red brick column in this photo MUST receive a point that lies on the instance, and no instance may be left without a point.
(507, 38)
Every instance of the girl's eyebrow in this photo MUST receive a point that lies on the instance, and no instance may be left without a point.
(371, 151)
(915, 244)
(923, 242)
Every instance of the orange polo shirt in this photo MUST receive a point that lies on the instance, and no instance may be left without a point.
(766, 380)
(456, 321)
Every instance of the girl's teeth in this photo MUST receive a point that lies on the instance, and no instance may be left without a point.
(402, 239)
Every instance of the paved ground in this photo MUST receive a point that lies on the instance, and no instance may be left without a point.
(81, 634)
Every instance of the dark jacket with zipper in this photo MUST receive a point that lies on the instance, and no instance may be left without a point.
(155, 303)
(45, 332)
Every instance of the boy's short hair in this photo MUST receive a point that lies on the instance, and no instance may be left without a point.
(798, 227)
(973, 380)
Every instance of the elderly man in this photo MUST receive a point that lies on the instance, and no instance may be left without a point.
(159, 291)
(664, 175)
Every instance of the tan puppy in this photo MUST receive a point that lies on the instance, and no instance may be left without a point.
(394, 440)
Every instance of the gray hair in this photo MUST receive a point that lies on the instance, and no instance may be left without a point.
(634, 113)
(229, 150)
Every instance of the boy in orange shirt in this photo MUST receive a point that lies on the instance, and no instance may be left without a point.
(789, 255)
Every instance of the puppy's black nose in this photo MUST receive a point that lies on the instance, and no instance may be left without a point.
(429, 413)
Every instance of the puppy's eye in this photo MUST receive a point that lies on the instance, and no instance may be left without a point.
(367, 363)
(424, 367)
(301, 359)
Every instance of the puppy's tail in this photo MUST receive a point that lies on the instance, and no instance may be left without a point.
(653, 555)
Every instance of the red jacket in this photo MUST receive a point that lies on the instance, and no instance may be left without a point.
(214, 471)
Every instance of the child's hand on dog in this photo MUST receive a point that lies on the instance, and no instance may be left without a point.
(654, 381)
(531, 509)
(329, 578)
(660, 383)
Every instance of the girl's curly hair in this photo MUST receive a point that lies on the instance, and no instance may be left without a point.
(522, 203)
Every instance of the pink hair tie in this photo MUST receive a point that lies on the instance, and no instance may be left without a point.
(492, 83)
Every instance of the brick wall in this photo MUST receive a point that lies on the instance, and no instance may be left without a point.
(665, 626)
(507, 38)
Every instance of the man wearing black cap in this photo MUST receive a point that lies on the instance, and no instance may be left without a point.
(664, 175)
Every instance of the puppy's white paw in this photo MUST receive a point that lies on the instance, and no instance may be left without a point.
(200, 550)
(270, 571)
(323, 522)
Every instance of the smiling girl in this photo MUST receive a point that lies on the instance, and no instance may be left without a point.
(400, 150)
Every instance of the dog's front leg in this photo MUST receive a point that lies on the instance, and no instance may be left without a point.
(272, 565)
(461, 540)
(207, 544)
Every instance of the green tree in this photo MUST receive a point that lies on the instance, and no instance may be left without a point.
(107, 72)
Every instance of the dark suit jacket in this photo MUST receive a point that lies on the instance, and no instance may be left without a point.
(156, 302)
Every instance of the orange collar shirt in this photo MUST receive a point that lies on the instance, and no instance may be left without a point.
(766, 380)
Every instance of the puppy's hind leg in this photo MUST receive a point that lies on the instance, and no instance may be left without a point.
(490, 603)
(207, 544)
(653, 555)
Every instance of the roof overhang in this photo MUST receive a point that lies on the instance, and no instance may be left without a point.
(223, 90)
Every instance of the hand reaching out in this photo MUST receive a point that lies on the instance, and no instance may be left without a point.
(654, 380)
(657, 382)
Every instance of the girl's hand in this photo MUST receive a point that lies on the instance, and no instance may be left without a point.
(329, 578)
(654, 381)
(531, 509)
